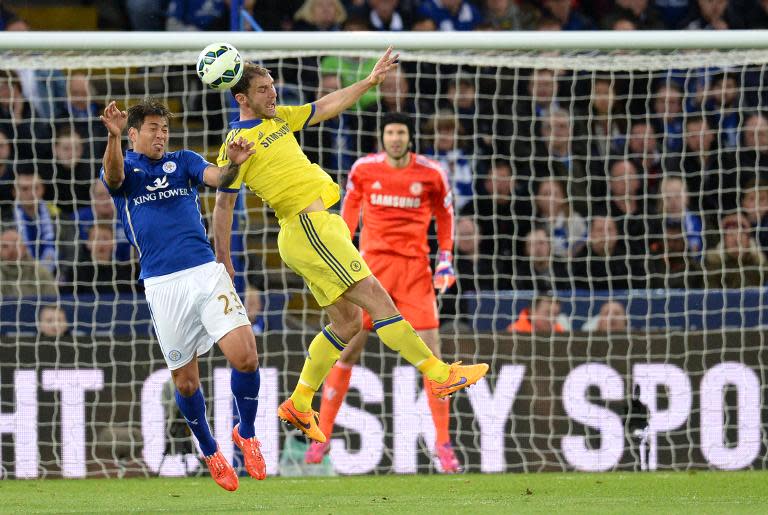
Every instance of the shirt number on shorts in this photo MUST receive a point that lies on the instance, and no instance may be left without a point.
(235, 301)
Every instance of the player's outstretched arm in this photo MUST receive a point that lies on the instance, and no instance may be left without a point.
(238, 152)
(115, 121)
(332, 104)
(222, 229)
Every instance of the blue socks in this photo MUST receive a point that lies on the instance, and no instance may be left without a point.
(245, 388)
(193, 409)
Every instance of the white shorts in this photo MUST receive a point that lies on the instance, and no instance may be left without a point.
(192, 309)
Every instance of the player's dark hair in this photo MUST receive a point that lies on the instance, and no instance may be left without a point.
(147, 107)
(398, 117)
(250, 70)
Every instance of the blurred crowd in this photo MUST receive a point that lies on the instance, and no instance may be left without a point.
(443, 15)
(562, 180)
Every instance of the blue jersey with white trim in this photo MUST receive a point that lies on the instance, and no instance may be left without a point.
(160, 210)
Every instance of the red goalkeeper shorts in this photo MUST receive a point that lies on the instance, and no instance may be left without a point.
(409, 282)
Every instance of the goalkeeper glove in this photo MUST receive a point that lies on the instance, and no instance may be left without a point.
(444, 276)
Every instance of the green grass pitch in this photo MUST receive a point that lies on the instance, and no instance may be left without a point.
(692, 492)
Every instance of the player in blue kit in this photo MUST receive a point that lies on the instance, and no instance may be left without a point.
(191, 297)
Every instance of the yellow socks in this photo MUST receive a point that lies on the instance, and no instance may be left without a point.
(398, 335)
(323, 352)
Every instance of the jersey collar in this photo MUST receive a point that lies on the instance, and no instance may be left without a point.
(130, 154)
(245, 124)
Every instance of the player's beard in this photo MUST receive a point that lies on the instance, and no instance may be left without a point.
(259, 111)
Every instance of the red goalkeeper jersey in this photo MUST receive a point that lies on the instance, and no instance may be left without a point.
(398, 204)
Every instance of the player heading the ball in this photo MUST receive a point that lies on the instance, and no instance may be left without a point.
(315, 243)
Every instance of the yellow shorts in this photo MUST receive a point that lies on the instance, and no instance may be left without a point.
(319, 248)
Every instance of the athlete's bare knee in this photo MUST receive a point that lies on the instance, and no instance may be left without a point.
(187, 386)
(247, 362)
(346, 328)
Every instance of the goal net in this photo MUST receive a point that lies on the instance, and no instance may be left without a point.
(611, 240)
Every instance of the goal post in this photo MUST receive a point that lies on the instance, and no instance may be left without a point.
(659, 139)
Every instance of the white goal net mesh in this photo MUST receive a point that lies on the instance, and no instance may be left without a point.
(626, 193)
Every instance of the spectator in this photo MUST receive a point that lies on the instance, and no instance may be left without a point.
(20, 274)
(324, 15)
(638, 12)
(672, 209)
(673, 12)
(422, 23)
(6, 178)
(476, 123)
(645, 154)
(450, 15)
(387, 15)
(447, 150)
(540, 270)
(736, 262)
(753, 156)
(628, 206)
(509, 15)
(531, 108)
(754, 202)
(191, 15)
(721, 106)
(672, 264)
(84, 114)
(565, 228)
(52, 322)
(394, 94)
(612, 318)
(101, 210)
(68, 178)
(715, 188)
(18, 121)
(606, 128)
(474, 272)
(605, 263)
(352, 69)
(567, 17)
(147, 15)
(10, 21)
(612, 22)
(540, 318)
(668, 114)
(498, 209)
(99, 272)
(560, 156)
(33, 219)
(713, 15)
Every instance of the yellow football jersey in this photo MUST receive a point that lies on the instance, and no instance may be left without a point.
(279, 172)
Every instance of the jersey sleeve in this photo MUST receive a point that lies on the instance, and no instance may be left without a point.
(350, 208)
(129, 182)
(443, 210)
(196, 165)
(222, 160)
(298, 117)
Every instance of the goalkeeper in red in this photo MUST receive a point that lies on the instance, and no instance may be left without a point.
(399, 192)
(315, 243)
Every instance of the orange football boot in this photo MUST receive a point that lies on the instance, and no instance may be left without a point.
(459, 377)
(304, 421)
(221, 471)
(251, 448)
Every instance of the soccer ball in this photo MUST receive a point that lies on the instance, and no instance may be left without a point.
(220, 66)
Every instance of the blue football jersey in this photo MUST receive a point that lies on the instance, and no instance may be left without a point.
(160, 211)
